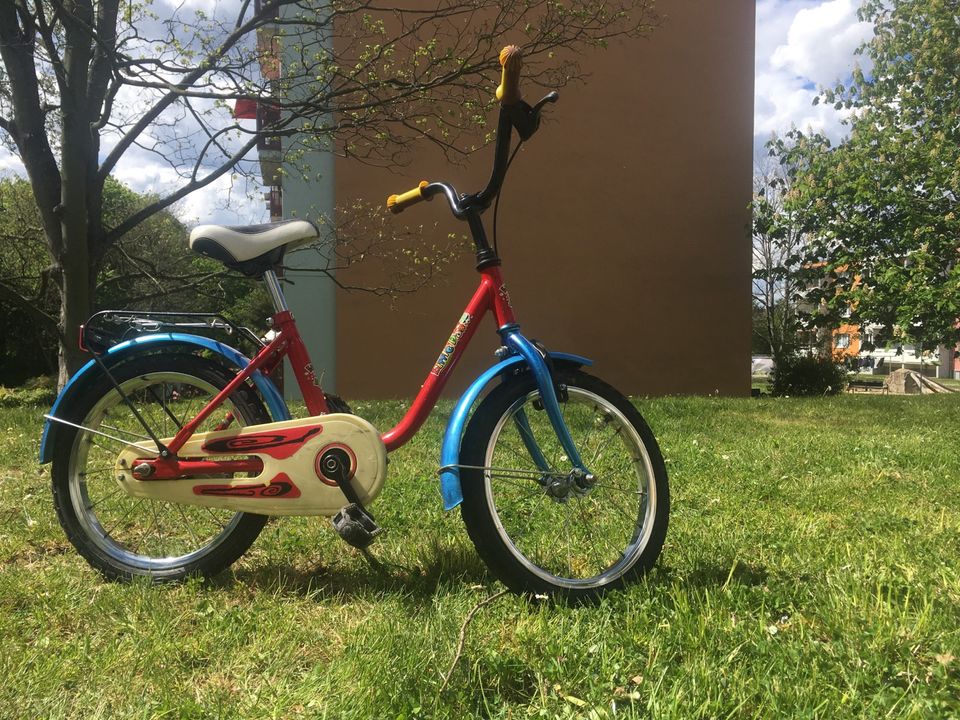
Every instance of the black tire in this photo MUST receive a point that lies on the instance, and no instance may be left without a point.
(125, 537)
(539, 539)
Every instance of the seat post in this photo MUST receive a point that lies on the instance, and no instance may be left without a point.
(276, 292)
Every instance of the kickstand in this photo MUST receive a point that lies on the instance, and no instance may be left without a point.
(383, 568)
(376, 564)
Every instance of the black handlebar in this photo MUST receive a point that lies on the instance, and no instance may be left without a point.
(515, 114)
(520, 117)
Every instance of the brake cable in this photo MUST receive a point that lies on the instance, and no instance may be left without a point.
(496, 204)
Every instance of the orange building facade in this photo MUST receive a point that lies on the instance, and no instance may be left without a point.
(624, 224)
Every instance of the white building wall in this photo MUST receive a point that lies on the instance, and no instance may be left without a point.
(308, 193)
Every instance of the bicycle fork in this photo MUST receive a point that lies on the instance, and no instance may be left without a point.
(510, 334)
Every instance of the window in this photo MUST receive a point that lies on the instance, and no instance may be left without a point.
(841, 341)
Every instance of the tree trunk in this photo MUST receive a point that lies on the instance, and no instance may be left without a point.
(77, 262)
(77, 165)
(75, 307)
(76, 271)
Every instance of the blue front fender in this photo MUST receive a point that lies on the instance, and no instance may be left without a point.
(118, 353)
(450, 451)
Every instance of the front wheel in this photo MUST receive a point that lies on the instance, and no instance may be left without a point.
(544, 526)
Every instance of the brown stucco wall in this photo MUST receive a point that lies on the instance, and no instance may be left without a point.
(623, 226)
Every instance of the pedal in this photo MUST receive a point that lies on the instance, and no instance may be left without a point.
(355, 526)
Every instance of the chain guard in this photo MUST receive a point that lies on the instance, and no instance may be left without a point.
(296, 478)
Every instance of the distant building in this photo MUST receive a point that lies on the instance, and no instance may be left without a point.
(850, 343)
(855, 346)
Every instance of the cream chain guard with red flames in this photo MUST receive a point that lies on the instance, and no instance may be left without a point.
(292, 481)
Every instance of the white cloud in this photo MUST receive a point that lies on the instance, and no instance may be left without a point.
(821, 42)
(783, 103)
(802, 45)
(9, 163)
(774, 18)
(210, 7)
(228, 200)
(231, 199)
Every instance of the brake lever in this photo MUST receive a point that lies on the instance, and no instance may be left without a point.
(550, 97)
(526, 119)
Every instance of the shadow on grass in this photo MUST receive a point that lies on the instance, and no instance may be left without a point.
(718, 575)
(712, 575)
(447, 568)
(442, 567)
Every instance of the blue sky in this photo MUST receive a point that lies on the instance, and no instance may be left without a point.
(801, 45)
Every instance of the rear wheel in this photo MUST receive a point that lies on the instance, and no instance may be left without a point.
(545, 528)
(124, 536)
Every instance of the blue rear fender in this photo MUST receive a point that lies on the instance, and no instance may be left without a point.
(450, 451)
(129, 349)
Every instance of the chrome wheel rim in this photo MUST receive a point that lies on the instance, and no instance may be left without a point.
(143, 534)
(594, 535)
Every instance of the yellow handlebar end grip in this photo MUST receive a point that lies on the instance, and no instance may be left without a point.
(396, 203)
(509, 52)
(511, 59)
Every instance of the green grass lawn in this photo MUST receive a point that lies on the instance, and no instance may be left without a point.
(811, 570)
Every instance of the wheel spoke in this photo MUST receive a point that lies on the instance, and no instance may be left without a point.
(215, 518)
(591, 536)
(518, 454)
(187, 524)
(139, 436)
(136, 548)
(95, 471)
(108, 497)
(604, 486)
(625, 509)
(604, 445)
(109, 532)
(533, 488)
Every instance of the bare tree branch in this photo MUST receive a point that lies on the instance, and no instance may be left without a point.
(185, 190)
(31, 309)
(17, 53)
(210, 60)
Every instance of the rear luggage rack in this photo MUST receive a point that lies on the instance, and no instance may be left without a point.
(112, 327)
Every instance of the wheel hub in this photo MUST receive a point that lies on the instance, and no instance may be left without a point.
(577, 481)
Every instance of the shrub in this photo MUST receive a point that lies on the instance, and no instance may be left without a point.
(41, 391)
(801, 375)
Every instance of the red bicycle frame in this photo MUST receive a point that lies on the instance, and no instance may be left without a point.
(491, 295)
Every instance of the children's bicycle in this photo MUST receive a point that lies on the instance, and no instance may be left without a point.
(170, 447)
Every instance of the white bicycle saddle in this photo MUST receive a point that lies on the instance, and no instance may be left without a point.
(248, 247)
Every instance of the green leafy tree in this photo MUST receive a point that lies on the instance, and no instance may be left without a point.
(884, 201)
(150, 268)
(85, 82)
(779, 273)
